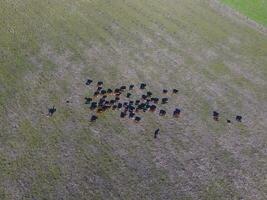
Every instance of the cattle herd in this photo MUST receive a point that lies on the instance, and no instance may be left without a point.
(122, 99)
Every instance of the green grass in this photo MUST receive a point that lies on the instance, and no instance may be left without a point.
(49, 48)
(255, 9)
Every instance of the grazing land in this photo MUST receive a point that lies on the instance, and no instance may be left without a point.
(255, 10)
(49, 48)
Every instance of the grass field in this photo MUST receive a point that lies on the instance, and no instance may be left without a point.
(255, 9)
(49, 48)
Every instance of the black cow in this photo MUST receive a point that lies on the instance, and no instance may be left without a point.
(125, 104)
(162, 112)
(99, 89)
(177, 112)
(137, 119)
(165, 91)
(175, 91)
(144, 97)
(99, 83)
(229, 121)
(131, 115)
(123, 114)
(128, 95)
(123, 88)
(103, 92)
(156, 133)
(51, 111)
(117, 90)
(149, 94)
(142, 86)
(88, 82)
(155, 100)
(88, 100)
(119, 105)
(112, 101)
(93, 118)
(93, 105)
(96, 94)
(114, 107)
(131, 102)
(104, 96)
(117, 98)
(137, 102)
(216, 115)
(238, 118)
(131, 87)
(118, 94)
(153, 108)
(164, 100)
(109, 91)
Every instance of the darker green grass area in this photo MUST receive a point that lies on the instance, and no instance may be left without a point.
(255, 10)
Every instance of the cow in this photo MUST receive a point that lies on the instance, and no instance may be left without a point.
(176, 112)
(114, 107)
(104, 96)
(109, 91)
(149, 94)
(162, 112)
(128, 95)
(137, 119)
(122, 88)
(119, 105)
(131, 115)
(238, 118)
(229, 121)
(51, 111)
(165, 91)
(103, 92)
(93, 105)
(156, 133)
(155, 100)
(99, 83)
(101, 102)
(112, 101)
(94, 118)
(131, 87)
(125, 104)
(123, 114)
(117, 90)
(117, 98)
(137, 102)
(142, 86)
(175, 91)
(216, 115)
(88, 82)
(144, 97)
(131, 102)
(118, 94)
(99, 89)
(153, 108)
(88, 100)
(96, 94)
(164, 100)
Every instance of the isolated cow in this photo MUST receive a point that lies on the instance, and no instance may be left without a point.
(216, 115)
(165, 91)
(238, 118)
(88, 82)
(128, 95)
(149, 94)
(51, 111)
(94, 118)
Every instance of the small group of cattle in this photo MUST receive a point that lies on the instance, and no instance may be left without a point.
(120, 99)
